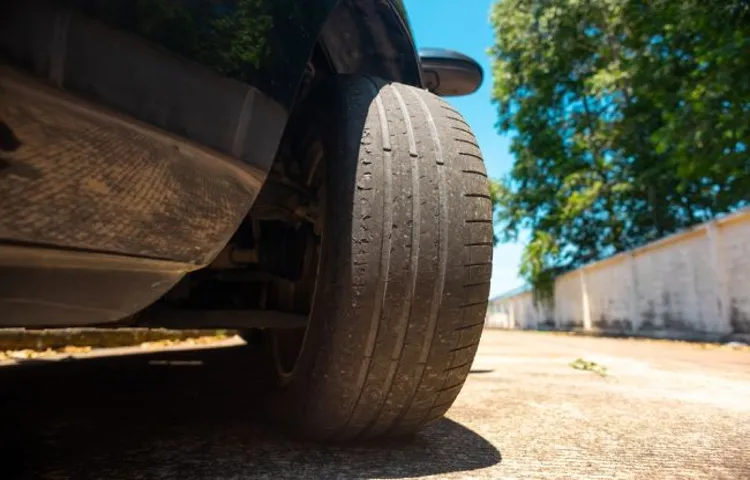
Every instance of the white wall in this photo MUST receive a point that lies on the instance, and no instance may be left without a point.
(694, 283)
(519, 311)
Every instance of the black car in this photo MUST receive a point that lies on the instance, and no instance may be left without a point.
(282, 167)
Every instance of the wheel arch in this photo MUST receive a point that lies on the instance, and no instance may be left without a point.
(371, 38)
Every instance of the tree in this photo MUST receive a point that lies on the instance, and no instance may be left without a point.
(630, 120)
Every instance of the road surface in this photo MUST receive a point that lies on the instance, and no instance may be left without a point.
(637, 410)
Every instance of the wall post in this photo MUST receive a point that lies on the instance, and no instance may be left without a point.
(633, 313)
(713, 231)
(585, 307)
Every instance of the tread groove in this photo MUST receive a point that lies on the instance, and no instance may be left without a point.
(445, 389)
(407, 121)
(445, 106)
(475, 172)
(457, 119)
(416, 216)
(463, 365)
(472, 155)
(385, 258)
(413, 260)
(478, 195)
(474, 304)
(458, 349)
(462, 130)
(467, 327)
(467, 142)
(442, 232)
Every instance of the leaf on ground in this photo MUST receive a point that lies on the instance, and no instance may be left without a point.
(581, 364)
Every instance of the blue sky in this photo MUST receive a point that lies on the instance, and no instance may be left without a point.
(464, 26)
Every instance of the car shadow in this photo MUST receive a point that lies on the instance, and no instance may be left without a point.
(190, 415)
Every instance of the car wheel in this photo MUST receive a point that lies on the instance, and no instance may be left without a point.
(403, 278)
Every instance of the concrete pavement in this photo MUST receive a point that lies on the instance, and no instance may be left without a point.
(649, 410)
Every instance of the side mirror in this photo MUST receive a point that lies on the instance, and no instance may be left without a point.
(450, 74)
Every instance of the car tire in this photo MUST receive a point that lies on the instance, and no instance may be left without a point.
(403, 276)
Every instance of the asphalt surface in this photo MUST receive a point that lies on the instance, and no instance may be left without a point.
(648, 410)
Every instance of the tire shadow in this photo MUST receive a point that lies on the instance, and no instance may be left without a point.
(189, 415)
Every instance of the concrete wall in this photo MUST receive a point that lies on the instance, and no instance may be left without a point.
(692, 284)
(519, 311)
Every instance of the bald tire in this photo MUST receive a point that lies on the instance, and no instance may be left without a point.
(403, 281)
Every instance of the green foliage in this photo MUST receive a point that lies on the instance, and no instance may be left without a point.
(630, 120)
(497, 193)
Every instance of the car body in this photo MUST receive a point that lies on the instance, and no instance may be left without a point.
(137, 135)
(285, 168)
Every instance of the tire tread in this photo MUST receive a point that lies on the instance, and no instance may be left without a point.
(424, 330)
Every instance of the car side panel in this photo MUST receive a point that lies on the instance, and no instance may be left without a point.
(145, 130)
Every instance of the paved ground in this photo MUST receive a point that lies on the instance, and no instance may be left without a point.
(661, 411)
